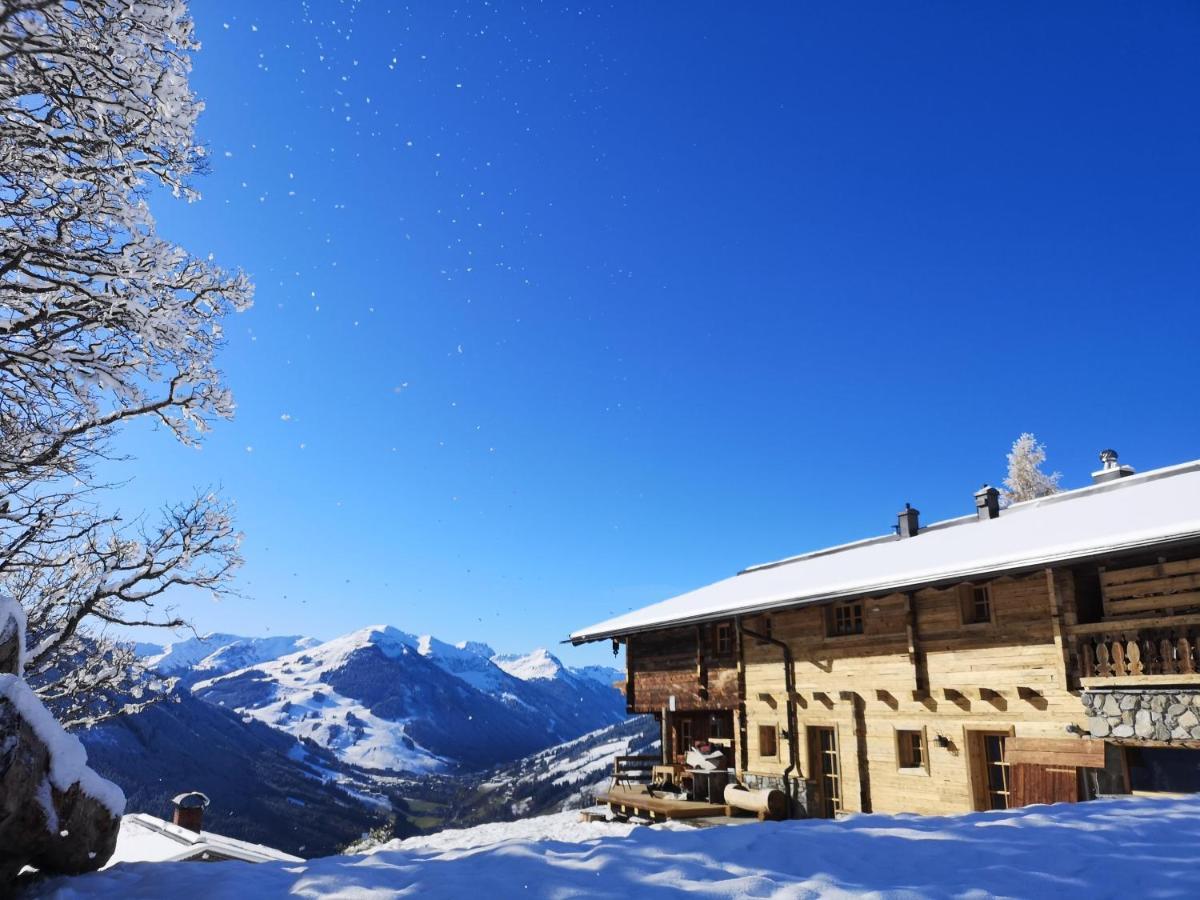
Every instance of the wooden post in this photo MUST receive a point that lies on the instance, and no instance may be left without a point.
(915, 657)
(1062, 655)
(630, 683)
(668, 736)
(742, 727)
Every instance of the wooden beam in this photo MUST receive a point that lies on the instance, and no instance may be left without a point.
(916, 656)
(1068, 752)
(990, 695)
(1192, 678)
(1062, 655)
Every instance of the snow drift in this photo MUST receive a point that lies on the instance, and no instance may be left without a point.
(1083, 850)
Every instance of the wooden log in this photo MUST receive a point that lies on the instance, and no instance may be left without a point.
(1116, 577)
(771, 802)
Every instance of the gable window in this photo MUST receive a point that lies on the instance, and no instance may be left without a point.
(976, 604)
(846, 618)
(768, 742)
(724, 639)
(910, 749)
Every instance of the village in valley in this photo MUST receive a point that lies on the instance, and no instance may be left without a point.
(598, 451)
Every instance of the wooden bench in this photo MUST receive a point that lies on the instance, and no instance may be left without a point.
(631, 770)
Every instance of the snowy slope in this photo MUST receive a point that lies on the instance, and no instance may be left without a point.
(1117, 848)
(257, 777)
(562, 777)
(215, 654)
(384, 699)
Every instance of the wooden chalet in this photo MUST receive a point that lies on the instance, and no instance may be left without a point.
(1043, 652)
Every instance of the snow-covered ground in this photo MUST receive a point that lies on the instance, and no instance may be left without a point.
(1120, 848)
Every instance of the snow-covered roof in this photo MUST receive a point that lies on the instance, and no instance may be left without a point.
(1152, 509)
(145, 838)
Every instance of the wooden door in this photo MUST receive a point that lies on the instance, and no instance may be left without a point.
(990, 775)
(826, 774)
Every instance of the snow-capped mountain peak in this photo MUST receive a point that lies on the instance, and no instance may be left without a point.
(214, 654)
(477, 647)
(539, 665)
(386, 699)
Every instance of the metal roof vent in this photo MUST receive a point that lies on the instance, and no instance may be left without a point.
(1110, 469)
(909, 522)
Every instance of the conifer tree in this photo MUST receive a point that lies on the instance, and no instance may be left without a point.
(1026, 480)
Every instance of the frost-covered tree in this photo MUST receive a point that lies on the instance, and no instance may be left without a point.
(1026, 480)
(101, 321)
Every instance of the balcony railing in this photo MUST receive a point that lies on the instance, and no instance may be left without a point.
(1134, 650)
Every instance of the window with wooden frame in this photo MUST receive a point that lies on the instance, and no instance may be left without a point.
(910, 749)
(976, 602)
(845, 618)
(685, 734)
(723, 639)
(719, 725)
(768, 742)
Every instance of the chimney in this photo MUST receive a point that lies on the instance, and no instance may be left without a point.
(189, 810)
(908, 522)
(987, 502)
(1110, 469)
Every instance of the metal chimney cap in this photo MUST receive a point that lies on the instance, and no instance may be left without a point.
(190, 800)
(1109, 458)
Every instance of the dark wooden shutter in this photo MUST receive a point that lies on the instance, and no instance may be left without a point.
(1033, 783)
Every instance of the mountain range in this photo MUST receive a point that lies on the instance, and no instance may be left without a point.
(375, 728)
(384, 699)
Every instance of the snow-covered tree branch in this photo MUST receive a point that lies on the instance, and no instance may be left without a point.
(101, 321)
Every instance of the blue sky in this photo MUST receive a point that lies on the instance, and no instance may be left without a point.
(573, 308)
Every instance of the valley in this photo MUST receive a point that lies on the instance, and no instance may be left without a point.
(375, 731)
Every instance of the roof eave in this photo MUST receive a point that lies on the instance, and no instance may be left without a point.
(956, 577)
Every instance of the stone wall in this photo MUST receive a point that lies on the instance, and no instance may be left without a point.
(1152, 714)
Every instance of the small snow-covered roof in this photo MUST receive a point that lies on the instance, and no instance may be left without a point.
(145, 838)
(1143, 511)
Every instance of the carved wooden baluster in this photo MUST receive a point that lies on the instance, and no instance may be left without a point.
(1104, 667)
(1166, 657)
(1133, 659)
(1118, 659)
(1186, 665)
(1087, 659)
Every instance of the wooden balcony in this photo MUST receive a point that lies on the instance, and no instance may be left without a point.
(1137, 651)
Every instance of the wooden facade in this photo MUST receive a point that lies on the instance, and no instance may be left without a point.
(937, 700)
